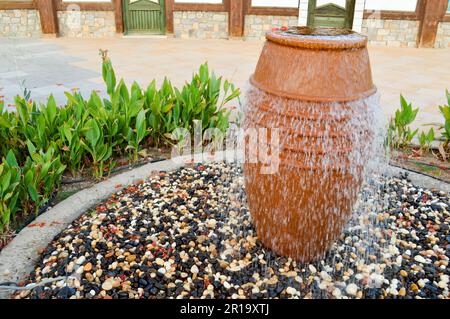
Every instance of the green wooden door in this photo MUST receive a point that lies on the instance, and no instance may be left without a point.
(335, 14)
(144, 16)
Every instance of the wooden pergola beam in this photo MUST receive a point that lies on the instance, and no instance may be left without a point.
(118, 16)
(12, 5)
(431, 13)
(169, 16)
(48, 16)
(236, 18)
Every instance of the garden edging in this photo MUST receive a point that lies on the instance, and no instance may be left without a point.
(19, 256)
(420, 179)
(14, 267)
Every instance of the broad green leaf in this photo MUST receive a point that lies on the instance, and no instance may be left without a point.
(33, 193)
(140, 126)
(93, 133)
(51, 109)
(11, 159)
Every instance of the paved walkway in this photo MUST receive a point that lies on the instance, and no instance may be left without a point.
(58, 65)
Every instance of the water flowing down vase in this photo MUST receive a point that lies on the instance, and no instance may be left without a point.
(315, 87)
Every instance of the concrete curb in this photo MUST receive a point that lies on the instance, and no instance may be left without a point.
(420, 180)
(19, 257)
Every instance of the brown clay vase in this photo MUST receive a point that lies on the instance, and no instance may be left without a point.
(314, 86)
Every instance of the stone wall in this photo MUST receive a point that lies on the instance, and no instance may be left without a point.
(443, 35)
(201, 25)
(20, 23)
(256, 26)
(86, 24)
(391, 33)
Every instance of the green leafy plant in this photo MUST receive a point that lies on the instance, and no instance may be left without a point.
(426, 139)
(95, 145)
(9, 186)
(37, 124)
(41, 177)
(445, 128)
(136, 135)
(163, 115)
(199, 100)
(399, 131)
(10, 135)
(40, 141)
(108, 73)
(26, 92)
(72, 150)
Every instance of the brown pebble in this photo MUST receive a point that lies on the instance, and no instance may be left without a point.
(131, 258)
(87, 267)
(89, 277)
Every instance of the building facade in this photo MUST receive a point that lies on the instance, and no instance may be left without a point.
(400, 23)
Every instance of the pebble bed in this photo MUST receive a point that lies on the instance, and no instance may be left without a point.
(188, 234)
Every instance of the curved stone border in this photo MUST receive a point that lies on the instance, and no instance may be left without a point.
(420, 179)
(19, 257)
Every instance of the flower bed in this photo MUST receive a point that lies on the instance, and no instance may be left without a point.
(188, 234)
(40, 143)
(427, 151)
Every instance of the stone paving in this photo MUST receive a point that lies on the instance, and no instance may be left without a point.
(58, 65)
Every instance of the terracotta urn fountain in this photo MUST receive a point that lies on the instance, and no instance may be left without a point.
(315, 87)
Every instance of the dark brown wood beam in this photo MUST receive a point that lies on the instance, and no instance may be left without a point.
(118, 15)
(12, 5)
(223, 7)
(273, 11)
(431, 13)
(88, 6)
(391, 15)
(48, 17)
(236, 18)
(169, 16)
(269, 11)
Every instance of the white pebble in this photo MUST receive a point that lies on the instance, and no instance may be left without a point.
(162, 270)
(312, 269)
(442, 284)
(325, 276)
(337, 293)
(159, 262)
(375, 280)
(420, 259)
(351, 289)
(291, 291)
(81, 260)
(421, 283)
(194, 269)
